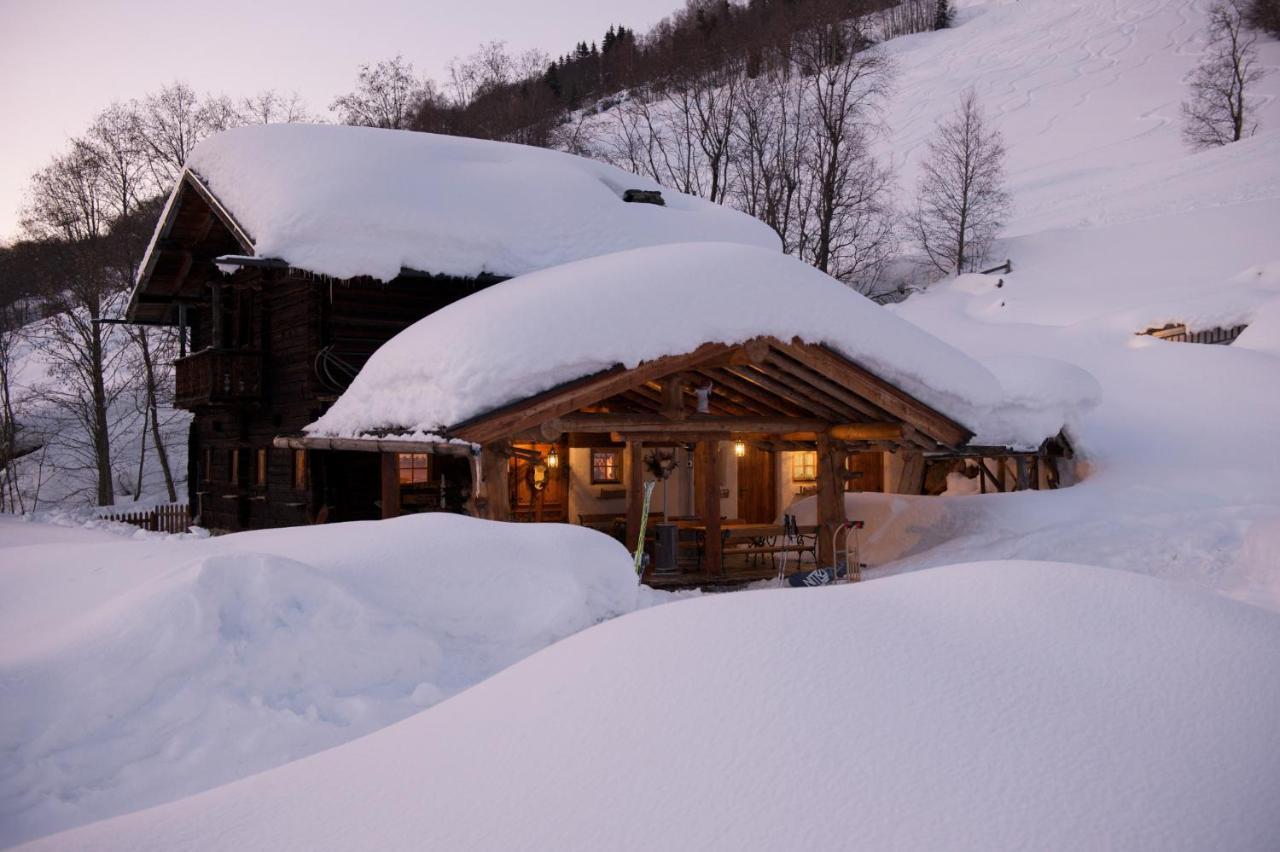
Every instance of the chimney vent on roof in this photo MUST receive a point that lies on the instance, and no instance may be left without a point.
(643, 196)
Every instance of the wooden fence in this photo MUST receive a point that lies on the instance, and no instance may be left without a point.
(173, 518)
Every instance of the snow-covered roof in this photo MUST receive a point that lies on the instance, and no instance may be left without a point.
(355, 201)
(532, 333)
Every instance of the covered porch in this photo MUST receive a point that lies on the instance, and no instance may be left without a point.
(719, 417)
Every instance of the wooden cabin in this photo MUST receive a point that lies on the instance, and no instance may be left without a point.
(268, 344)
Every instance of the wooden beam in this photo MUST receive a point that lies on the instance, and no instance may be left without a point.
(810, 403)
(707, 474)
(673, 406)
(772, 402)
(494, 462)
(693, 424)
(666, 439)
(725, 388)
(390, 485)
(898, 403)
(868, 432)
(571, 396)
(831, 458)
(635, 492)
(911, 477)
(803, 374)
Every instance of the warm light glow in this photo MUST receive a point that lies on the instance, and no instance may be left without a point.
(553, 460)
(739, 449)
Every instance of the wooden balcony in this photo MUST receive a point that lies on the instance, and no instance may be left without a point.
(218, 377)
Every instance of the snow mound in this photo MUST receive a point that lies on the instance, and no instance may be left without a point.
(137, 672)
(532, 333)
(349, 201)
(982, 706)
(1263, 333)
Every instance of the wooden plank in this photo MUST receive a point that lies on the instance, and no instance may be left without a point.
(390, 485)
(831, 513)
(707, 474)
(635, 491)
(898, 403)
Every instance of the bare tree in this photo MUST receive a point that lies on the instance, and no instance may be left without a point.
(11, 497)
(272, 107)
(386, 95)
(850, 229)
(69, 208)
(961, 202)
(172, 121)
(1219, 110)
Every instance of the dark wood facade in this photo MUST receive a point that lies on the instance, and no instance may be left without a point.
(270, 348)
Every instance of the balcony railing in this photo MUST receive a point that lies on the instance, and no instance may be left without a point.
(218, 377)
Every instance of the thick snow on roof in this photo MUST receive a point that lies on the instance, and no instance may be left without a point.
(990, 706)
(349, 201)
(532, 333)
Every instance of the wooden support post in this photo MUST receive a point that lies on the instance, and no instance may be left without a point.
(911, 479)
(635, 492)
(390, 485)
(706, 464)
(831, 458)
(982, 476)
(494, 462)
(1023, 481)
(1005, 484)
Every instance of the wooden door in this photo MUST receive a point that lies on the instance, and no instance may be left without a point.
(757, 487)
(539, 494)
(871, 466)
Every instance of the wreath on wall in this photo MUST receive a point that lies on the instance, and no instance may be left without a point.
(660, 463)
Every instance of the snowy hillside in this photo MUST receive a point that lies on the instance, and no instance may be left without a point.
(984, 706)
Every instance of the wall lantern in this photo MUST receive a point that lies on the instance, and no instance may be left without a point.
(553, 459)
(739, 449)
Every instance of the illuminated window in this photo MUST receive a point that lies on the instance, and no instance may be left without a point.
(300, 469)
(414, 467)
(233, 467)
(804, 467)
(260, 468)
(606, 467)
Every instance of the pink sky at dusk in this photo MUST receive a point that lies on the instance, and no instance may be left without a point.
(61, 61)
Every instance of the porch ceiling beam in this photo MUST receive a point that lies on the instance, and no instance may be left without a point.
(746, 404)
(819, 382)
(771, 401)
(810, 401)
(573, 395)
(694, 424)
(899, 404)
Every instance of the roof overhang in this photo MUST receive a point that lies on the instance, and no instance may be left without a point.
(194, 228)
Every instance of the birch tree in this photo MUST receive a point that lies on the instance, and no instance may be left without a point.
(961, 202)
(1219, 110)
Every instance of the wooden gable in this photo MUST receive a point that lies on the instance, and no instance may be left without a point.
(778, 393)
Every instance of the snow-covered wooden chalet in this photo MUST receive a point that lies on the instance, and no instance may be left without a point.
(359, 352)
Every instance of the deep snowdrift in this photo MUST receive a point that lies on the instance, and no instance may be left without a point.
(982, 706)
(136, 672)
(540, 330)
(348, 201)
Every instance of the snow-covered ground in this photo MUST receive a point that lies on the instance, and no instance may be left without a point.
(134, 671)
(974, 706)
(1006, 705)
